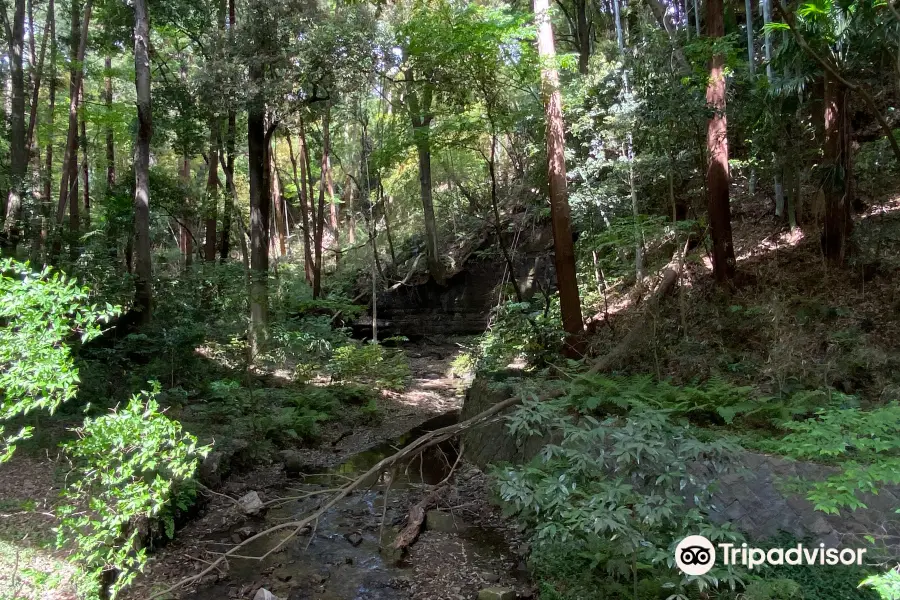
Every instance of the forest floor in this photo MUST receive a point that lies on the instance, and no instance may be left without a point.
(790, 323)
(334, 563)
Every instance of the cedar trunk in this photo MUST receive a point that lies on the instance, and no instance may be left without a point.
(143, 264)
(257, 157)
(570, 303)
(320, 212)
(717, 176)
(212, 192)
(838, 173)
(18, 150)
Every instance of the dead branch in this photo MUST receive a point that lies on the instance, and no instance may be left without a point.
(416, 519)
(670, 276)
(424, 442)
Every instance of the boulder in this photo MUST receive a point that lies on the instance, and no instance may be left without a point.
(251, 504)
(264, 594)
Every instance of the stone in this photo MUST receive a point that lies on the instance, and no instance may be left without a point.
(496, 593)
(354, 538)
(236, 538)
(264, 594)
(213, 469)
(251, 504)
(444, 522)
(246, 532)
(490, 577)
(293, 462)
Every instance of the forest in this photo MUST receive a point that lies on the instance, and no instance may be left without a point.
(449, 299)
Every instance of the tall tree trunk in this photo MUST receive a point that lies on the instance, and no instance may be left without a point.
(185, 233)
(143, 266)
(569, 300)
(18, 150)
(79, 41)
(48, 164)
(421, 117)
(300, 184)
(110, 137)
(230, 202)
(347, 201)
(386, 205)
(278, 203)
(717, 176)
(320, 212)
(259, 214)
(838, 173)
(212, 192)
(36, 77)
(85, 168)
(583, 31)
(333, 209)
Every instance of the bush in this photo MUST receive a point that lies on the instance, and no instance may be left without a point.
(613, 490)
(370, 362)
(132, 469)
(521, 330)
(40, 315)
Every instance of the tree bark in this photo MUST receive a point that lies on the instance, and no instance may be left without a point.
(212, 192)
(570, 303)
(300, 184)
(421, 117)
(259, 214)
(48, 164)
(110, 137)
(320, 212)
(717, 175)
(838, 173)
(278, 203)
(583, 32)
(77, 73)
(185, 235)
(230, 134)
(143, 263)
(333, 210)
(18, 150)
(85, 168)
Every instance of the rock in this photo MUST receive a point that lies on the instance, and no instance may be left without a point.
(293, 462)
(246, 532)
(496, 593)
(354, 538)
(251, 504)
(212, 469)
(444, 522)
(319, 578)
(264, 594)
(490, 577)
(236, 538)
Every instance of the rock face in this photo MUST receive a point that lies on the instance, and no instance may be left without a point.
(496, 594)
(463, 304)
(752, 497)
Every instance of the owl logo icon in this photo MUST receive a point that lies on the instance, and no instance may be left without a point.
(695, 555)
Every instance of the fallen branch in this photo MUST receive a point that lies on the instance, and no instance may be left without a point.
(416, 519)
(409, 275)
(428, 440)
(669, 277)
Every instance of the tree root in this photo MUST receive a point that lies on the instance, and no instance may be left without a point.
(294, 528)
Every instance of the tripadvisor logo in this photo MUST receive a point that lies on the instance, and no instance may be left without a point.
(696, 555)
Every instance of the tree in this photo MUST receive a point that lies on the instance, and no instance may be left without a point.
(569, 300)
(143, 263)
(15, 35)
(717, 175)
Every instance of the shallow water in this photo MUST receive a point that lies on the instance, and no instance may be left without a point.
(323, 563)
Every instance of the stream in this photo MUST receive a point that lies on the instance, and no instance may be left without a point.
(341, 557)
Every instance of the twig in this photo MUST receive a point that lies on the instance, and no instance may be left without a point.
(424, 442)
(214, 493)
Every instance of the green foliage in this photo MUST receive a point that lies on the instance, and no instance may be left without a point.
(886, 585)
(132, 468)
(370, 362)
(613, 489)
(520, 330)
(864, 443)
(41, 314)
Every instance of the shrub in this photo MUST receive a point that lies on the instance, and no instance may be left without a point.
(132, 469)
(613, 490)
(40, 314)
(521, 330)
(370, 362)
